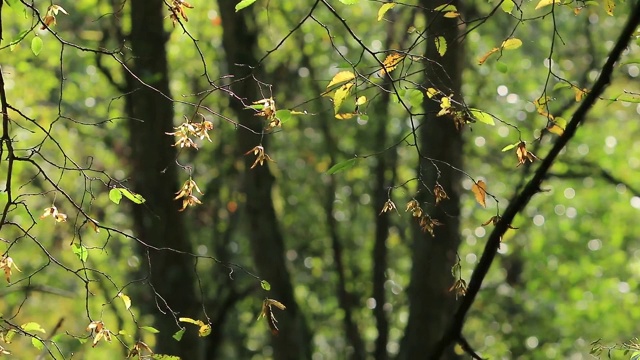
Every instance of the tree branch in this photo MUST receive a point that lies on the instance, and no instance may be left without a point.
(454, 331)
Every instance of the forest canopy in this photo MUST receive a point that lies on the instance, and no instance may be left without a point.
(333, 179)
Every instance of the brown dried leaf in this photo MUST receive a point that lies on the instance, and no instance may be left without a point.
(479, 189)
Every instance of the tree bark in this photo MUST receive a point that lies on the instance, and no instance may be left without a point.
(240, 37)
(154, 176)
(431, 304)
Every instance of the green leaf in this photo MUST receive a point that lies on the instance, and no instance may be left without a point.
(178, 334)
(265, 285)
(32, 326)
(384, 8)
(507, 6)
(509, 147)
(19, 38)
(415, 97)
(349, 2)
(441, 45)
(164, 357)
(482, 116)
(136, 198)
(36, 45)
(283, 115)
(502, 67)
(561, 85)
(243, 4)
(81, 252)
(150, 329)
(342, 166)
(115, 195)
(37, 343)
(446, 8)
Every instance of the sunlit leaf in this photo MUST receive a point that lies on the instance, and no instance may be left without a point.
(441, 45)
(479, 191)
(136, 198)
(342, 166)
(509, 147)
(511, 44)
(150, 329)
(507, 6)
(341, 93)
(37, 343)
(482, 116)
(609, 5)
(391, 62)
(191, 321)
(451, 14)
(415, 97)
(557, 126)
(204, 330)
(349, 2)
(265, 285)
(384, 8)
(544, 3)
(81, 252)
(243, 4)
(36, 45)
(125, 299)
(431, 92)
(483, 58)
(446, 8)
(115, 195)
(345, 116)
(32, 326)
(579, 93)
(342, 76)
(361, 100)
(178, 335)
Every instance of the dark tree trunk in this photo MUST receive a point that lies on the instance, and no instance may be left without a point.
(154, 176)
(431, 303)
(240, 37)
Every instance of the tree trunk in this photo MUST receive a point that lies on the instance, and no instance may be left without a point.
(154, 176)
(240, 37)
(431, 303)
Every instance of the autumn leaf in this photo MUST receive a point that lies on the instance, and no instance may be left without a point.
(342, 76)
(341, 93)
(544, 3)
(557, 126)
(479, 191)
(439, 193)
(484, 57)
(384, 8)
(391, 62)
(523, 154)
(609, 6)
(125, 299)
(388, 206)
(267, 312)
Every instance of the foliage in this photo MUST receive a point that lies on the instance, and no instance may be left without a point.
(567, 264)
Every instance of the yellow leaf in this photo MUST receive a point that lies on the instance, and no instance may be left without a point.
(511, 44)
(340, 94)
(479, 190)
(345, 116)
(204, 330)
(341, 77)
(391, 62)
(451, 14)
(557, 126)
(431, 92)
(484, 57)
(384, 8)
(609, 5)
(191, 321)
(579, 93)
(544, 3)
(125, 299)
(361, 100)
